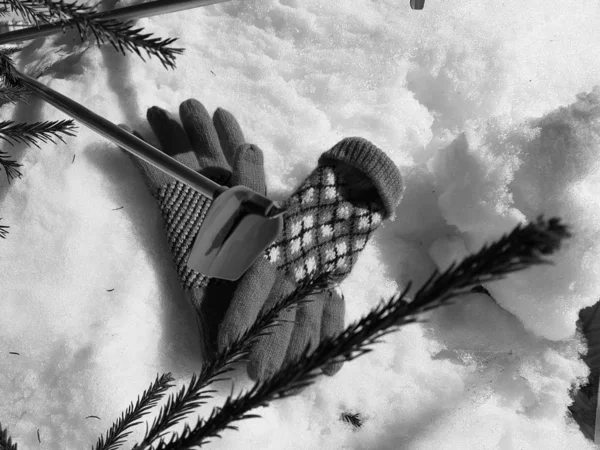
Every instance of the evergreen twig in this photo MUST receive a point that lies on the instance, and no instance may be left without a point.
(28, 133)
(188, 398)
(121, 35)
(13, 95)
(118, 432)
(5, 440)
(353, 419)
(522, 248)
(3, 230)
(10, 166)
(32, 11)
(7, 70)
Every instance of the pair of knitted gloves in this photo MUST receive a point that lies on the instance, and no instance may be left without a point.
(329, 220)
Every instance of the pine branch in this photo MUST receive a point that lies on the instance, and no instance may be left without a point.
(10, 49)
(5, 440)
(13, 95)
(7, 70)
(30, 10)
(3, 231)
(10, 166)
(177, 407)
(189, 398)
(28, 133)
(353, 419)
(522, 248)
(117, 433)
(121, 35)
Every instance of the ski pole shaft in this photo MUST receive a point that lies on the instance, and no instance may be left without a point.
(123, 14)
(126, 140)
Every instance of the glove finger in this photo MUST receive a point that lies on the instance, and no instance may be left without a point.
(307, 329)
(172, 138)
(152, 176)
(246, 160)
(250, 296)
(249, 169)
(332, 324)
(205, 141)
(229, 132)
(268, 354)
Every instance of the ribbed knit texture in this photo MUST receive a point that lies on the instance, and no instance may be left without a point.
(183, 210)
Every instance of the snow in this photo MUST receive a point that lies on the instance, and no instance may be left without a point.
(488, 108)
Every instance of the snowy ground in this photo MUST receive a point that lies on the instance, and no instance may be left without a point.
(477, 104)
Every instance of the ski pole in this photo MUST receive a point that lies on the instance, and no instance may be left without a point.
(126, 140)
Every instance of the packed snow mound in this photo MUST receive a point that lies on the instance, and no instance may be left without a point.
(497, 175)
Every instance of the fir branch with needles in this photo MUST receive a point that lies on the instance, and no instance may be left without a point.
(7, 70)
(353, 419)
(10, 167)
(5, 440)
(13, 95)
(523, 247)
(121, 35)
(150, 397)
(194, 395)
(31, 11)
(3, 230)
(28, 134)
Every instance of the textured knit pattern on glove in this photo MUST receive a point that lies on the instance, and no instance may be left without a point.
(328, 221)
(216, 149)
(323, 232)
(183, 210)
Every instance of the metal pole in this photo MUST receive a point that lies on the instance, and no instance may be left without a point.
(123, 14)
(128, 141)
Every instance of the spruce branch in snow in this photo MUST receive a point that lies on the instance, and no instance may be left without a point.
(353, 419)
(10, 167)
(5, 440)
(121, 35)
(30, 10)
(7, 67)
(3, 230)
(12, 91)
(192, 396)
(522, 248)
(28, 133)
(13, 95)
(118, 432)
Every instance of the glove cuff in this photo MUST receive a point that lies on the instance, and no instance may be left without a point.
(374, 163)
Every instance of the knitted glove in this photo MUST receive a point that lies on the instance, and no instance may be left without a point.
(329, 220)
(215, 149)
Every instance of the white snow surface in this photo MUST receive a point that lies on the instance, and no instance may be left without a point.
(491, 113)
